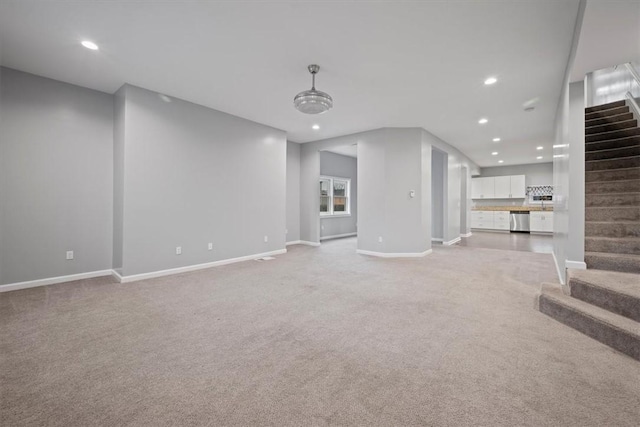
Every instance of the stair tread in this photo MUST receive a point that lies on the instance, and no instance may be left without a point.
(614, 222)
(602, 107)
(613, 140)
(613, 320)
(630, 239)
(626, 147)
(627, 284)
(608, 160)
(613, 118)
(612, 255)
(617, 193)
(628, 121)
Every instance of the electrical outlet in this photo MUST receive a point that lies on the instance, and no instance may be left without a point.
(266, 239)
(380, 239)
(322, 227)
(286, 231)
(210, 246)
(69, 254)
(178, 250)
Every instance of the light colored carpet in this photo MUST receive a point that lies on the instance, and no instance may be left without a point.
(319, 336)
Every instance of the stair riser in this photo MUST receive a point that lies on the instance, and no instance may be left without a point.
(612, 229)
(592, 244)
(612, 175)
(612, 135)
(613, 143)
(606, 334)
(629, 199)
(612, 214)
(602, 107)
(622, 186)
(598, 165)
(610, 127)
(614, 302)
(608, 119)
(613, 154)
(606, 113)
(621, 264)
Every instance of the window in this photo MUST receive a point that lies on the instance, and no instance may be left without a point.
(334, 196)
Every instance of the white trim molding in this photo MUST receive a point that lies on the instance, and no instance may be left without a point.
(338, 236)
(469, 234)
(560, 275)
(452, 241)
(172, 271)
(308, 243)
(576, 265)
(394, 255)
(436, 239)
(54, 280)
(293, 242)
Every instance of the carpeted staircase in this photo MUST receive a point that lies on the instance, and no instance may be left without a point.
(612, 187)
(603, 302)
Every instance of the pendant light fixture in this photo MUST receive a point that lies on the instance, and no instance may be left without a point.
(313, 101)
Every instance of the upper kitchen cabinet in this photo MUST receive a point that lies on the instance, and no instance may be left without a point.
(483, 188)
(498, 187)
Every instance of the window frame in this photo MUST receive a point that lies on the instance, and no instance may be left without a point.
(330, 208)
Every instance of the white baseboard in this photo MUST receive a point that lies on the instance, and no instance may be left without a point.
(338, 236)
(436, 239)
(293, 242)
(467, 235)
(171, 271)
(576, 265)
(560, 275)
(306, 242)
(394, 255)
(452, 241)
(53, 280)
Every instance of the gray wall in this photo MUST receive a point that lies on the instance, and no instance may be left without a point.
(438, 184)
(535, 174)
(568, 168)
(293, 191)
(389, 167)
(118, 178)
(332, 164)
(193, 175)
(56, 178)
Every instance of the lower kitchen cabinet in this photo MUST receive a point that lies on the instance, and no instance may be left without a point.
(541, 222)
(490, 220)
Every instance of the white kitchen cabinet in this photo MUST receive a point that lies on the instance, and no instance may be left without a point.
(476, 188)
(502, 187)
(498, 187)
(482, 219)
(518, 187)
(501, 220)
(483, 188)
(541, 222)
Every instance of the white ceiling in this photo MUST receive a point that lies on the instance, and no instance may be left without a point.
(386, 64)
(610, 35)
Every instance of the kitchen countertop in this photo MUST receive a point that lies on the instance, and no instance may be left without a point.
(534, 208)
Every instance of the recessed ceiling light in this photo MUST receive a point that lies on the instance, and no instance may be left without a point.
(483, 121)
(496, 139)
(315, 127)
(539, 157)
(89, 45)
(490, 81)
(500, 161)
(539, 147)
(495, 153)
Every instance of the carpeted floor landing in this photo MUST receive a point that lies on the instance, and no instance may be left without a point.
(319, 336)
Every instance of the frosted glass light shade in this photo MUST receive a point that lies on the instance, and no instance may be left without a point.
(313, 102)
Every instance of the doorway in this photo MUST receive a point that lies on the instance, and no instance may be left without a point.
(338, 192)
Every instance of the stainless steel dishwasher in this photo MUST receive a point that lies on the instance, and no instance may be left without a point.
(519, 221)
